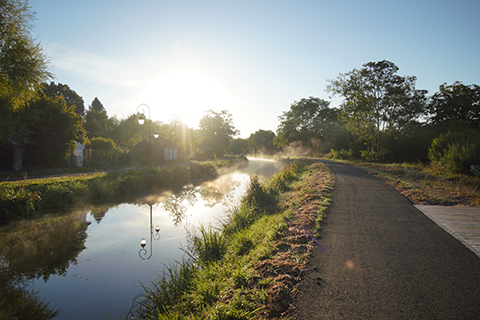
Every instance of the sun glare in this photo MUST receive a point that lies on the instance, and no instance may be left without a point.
(183, 94)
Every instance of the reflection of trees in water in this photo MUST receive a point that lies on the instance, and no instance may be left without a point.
(176, 204)
(37, 249)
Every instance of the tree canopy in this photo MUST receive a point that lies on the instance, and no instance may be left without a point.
(97, 122)
(377, 99)
(70, 96)
(216, 132)
(306, 121)
(456, 105)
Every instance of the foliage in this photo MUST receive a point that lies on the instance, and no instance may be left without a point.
(239, 146)
(261, 141)
(54, 132)
(216, 132)
(456, 105)
(376, 100)
(100, 143)
(71, 98)
(97, 123)
(22, 62)
(23, 66)
(341, 154)
(307, 120)
(456, 150)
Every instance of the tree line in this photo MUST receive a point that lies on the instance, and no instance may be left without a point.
(382, 116)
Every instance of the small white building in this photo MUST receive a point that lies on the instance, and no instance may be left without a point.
(78, 155)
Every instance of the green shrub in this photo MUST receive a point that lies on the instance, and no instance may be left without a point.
(342, 154)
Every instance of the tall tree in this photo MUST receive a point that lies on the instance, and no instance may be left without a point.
(306, 121)
(70, 96)
(377, 99)
(23, 66)
(97, 123)
(54, 133)
(262, 141)
(216, 132)
(456, 105)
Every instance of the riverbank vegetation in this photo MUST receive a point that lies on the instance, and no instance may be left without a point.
(29, 197)
(247, 267)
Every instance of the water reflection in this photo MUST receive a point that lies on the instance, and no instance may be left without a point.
(143, 252)
(94, 253)
(37, 249)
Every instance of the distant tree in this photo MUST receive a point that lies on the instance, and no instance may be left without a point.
(377, 100)
(456, 105)
(216, 132)
(128, 132)
(53, 134)
(306, 121)
(97, 123)
(262, 141)
(239, 146)
(100, 143)
(70, 96)
(23, 66)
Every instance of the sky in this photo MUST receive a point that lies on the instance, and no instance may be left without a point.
(251, 58)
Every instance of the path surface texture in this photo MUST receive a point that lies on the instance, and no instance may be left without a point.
(385, 260)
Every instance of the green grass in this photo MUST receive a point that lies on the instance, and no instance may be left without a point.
(237, 270)
(29, 197)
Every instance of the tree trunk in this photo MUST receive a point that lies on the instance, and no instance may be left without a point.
(17, 157)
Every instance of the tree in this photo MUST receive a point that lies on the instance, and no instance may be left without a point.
(216, 132)
(377, 100)
(456, 105)
(70, 96)
(97, 123)
(54, 132)
(239, 146)
(23, 66)
(306, 121)
(262, 141)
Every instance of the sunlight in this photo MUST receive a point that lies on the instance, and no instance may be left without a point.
(183, 94)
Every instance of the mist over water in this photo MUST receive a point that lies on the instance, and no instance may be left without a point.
(85, 263)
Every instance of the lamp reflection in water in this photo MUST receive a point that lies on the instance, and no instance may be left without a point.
(143, 252)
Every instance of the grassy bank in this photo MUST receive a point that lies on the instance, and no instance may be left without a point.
(30, 197)
(425, 184)
(246, 268)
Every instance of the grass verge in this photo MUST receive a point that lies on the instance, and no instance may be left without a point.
(246, 268)
(33, 196)
(428, 185)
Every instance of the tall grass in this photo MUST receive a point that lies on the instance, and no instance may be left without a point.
(220, 281)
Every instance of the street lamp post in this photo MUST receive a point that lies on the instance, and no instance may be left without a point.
(141, 120)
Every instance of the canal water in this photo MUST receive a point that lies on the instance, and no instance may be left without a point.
(89, 264)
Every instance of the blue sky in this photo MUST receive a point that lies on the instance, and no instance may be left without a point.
(252, 58)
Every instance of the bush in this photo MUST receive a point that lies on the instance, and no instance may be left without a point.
(100, 143)
(455, 151)
(342, 154)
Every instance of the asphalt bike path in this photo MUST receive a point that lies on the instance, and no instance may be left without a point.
(384, 259)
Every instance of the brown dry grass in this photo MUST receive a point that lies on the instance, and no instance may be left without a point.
(306, 203)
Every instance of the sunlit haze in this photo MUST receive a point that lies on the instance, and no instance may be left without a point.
(252, 58)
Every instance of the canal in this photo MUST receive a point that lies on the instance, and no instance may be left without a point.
(87, 264)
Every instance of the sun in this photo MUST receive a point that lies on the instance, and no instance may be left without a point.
(185, 95)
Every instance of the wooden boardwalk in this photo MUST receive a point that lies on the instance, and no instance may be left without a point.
(463, 223)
